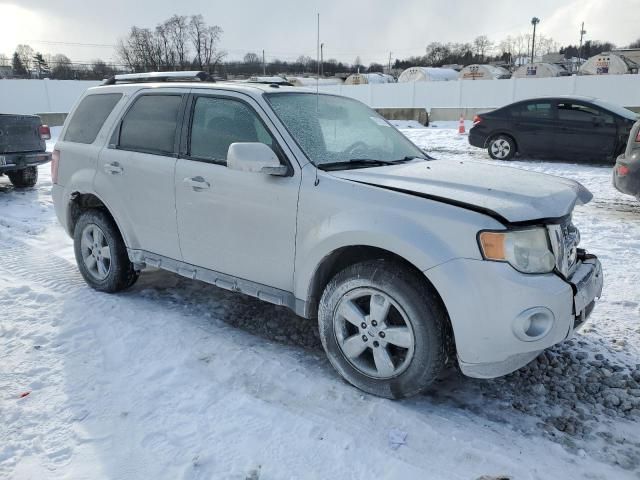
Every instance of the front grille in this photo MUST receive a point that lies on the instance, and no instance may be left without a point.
(565, 238)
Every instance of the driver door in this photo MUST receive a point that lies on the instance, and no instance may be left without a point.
(238, 223)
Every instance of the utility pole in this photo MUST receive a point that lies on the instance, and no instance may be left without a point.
(321, 59)
(534, 21)
(389, 72)
(582, 34)
(264, 65)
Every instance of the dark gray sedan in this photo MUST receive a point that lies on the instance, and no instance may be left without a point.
(568, 128)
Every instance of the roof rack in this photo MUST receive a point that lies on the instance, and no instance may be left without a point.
(188, 76)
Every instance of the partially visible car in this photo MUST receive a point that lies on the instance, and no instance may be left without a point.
(22, 148)
(567, 128)
(626, 173)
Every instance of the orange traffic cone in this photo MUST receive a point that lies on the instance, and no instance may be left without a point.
(461, 129)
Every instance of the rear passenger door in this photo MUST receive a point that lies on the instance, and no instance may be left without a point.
(135, 172)
(534, 124)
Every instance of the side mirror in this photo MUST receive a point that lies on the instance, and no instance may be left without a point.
(254, 157)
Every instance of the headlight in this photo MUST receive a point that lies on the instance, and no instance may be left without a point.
(527, 250)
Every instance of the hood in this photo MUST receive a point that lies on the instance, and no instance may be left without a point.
(508, 194)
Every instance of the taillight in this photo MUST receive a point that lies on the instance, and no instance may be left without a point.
(638, 137)
(477, 119)
(623, 170)
(55, 162)
(45, 132)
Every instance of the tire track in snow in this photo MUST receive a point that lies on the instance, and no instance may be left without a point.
(49, 271)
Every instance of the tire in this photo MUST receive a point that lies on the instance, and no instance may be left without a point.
(101, 253)
(501, 147)
(24, 178)
(418, 351)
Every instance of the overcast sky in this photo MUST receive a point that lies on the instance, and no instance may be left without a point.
(287, 28)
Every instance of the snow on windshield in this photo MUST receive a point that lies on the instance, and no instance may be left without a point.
(337, 129)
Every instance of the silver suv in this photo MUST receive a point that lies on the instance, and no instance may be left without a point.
(316, 203)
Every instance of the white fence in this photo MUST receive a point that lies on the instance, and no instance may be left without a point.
(40, 96)
(621, 89)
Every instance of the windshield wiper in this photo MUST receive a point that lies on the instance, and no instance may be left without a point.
(354, 163)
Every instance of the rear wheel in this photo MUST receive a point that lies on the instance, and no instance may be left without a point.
(24, 178)
(101, 253)
(382, 328)
(502, 147)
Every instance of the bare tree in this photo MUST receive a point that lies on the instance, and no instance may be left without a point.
(61, 67)
(25, 53)
(4, 60)
(251, 58)
(204, 39)
(141, 50)
(482, 45)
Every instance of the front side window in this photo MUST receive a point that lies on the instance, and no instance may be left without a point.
(150, 124)
(219, 122)
(88, 118)
(577, 112)
(332, 129)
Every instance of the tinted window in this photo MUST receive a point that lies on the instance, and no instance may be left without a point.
(150, 124)
(575, 112)
(533, 110)
(87, 119)
(219, 122)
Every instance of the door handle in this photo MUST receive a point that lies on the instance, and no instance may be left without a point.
(113, 168)
(196, 183)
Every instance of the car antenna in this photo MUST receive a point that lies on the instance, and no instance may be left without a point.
(317, 180)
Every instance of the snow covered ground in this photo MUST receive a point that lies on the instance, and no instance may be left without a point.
(177, 379)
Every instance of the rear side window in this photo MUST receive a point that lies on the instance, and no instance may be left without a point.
(87, 119)
(533, 110)
(150, 124)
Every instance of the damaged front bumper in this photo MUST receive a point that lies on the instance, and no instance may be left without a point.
(502, 319)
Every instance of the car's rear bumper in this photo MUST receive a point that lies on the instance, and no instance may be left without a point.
(10, 162)
(492, 308)
(477, 139)
(630, 182)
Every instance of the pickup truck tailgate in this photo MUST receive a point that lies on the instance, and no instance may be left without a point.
(20, 133)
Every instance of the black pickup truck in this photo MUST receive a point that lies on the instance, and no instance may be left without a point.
(22, 148)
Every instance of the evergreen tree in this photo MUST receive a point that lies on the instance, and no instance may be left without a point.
(41, 65)
(18, 67)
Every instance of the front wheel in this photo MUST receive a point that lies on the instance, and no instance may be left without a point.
(25, 178)
(101, 253)
(382, 328)
(502, 148)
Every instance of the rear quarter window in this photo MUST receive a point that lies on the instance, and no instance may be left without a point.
(88, 118)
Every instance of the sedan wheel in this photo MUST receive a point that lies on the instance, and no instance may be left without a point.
(501, 148)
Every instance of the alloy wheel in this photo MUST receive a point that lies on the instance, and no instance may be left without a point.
(374, 333)
(96, 252)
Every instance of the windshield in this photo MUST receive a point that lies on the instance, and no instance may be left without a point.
(617, 109)
(335, 130)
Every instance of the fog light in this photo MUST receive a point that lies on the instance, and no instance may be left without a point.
(533, 324)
